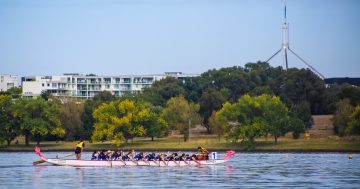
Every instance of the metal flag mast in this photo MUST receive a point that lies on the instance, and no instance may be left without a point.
(285, 47)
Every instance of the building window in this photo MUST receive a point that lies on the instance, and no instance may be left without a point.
(43, 84)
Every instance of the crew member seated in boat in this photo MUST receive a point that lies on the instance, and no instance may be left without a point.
(95, 155)
(79, 148)
(188, 157)
(139, 156)
(109, 154)
(102, 155)
(194, 157)
(176, 157)
(182, 157)
(163, 157)
(203, 154)
(129, 156)
(116, 155)
(150, 157)
(172, 157)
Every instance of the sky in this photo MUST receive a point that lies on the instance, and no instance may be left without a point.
(127, 37)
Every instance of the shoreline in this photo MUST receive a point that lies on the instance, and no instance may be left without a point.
(186, 149)
(263, 145)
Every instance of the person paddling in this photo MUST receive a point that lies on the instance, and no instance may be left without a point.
(203, 154)
(79, 148)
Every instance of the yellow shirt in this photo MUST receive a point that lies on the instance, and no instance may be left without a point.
(80, 145)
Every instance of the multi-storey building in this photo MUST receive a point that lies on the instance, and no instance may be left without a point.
(8, 81)
(86, 86)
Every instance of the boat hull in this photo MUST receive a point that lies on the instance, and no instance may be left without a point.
(118, 163)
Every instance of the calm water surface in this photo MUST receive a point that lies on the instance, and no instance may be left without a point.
(245, 170)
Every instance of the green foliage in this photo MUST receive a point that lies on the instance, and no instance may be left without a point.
(295, 125)
(217, 125)
(352, 93)
(235, 79)
(37, 117)
(123, 120)
(303, 85)
(156, 126)
(87, 114)
(45, 95)
(14, 92)
(275, 114)
(193, 88)
(9, 127)
(211, 100)
(354, 123)
(70, 116)
(302, 111)
(181, 115)
(253, 117)
(294, 86)
(58, 132)
(161, 91)
(342, 116)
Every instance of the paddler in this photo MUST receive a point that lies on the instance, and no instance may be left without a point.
(204, 154)
(79, 148)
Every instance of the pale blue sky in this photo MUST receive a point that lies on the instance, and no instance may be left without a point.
(112, 37)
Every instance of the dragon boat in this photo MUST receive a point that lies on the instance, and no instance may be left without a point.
(119, 163)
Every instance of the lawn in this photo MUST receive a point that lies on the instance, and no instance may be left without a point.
(209, 142)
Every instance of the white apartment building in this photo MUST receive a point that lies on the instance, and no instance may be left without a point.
(87, 86)
(8, 81)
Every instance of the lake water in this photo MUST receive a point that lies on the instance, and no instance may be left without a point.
(245, 170)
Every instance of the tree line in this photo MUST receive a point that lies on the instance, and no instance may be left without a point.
(239, 103)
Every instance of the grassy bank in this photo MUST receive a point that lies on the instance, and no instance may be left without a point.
(210, 142)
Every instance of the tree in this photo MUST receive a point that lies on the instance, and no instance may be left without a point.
(235, 79)
(253, 117)
(37, 118)
(181, 115)
(161, 91)
(45, 95)
(14, 92)
(89, 107)
(354, 124)
(9, 127)
(342, 116)
(302, 111)
(210, 100)
(193, 88)
(352, 93)
(120, 121)
(295, 125)
(243, 120)
(70, 117)
(217, 125)
(275, 114)
(156, 126)
(303, 85)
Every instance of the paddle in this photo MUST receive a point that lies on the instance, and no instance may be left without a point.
(42, 161)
